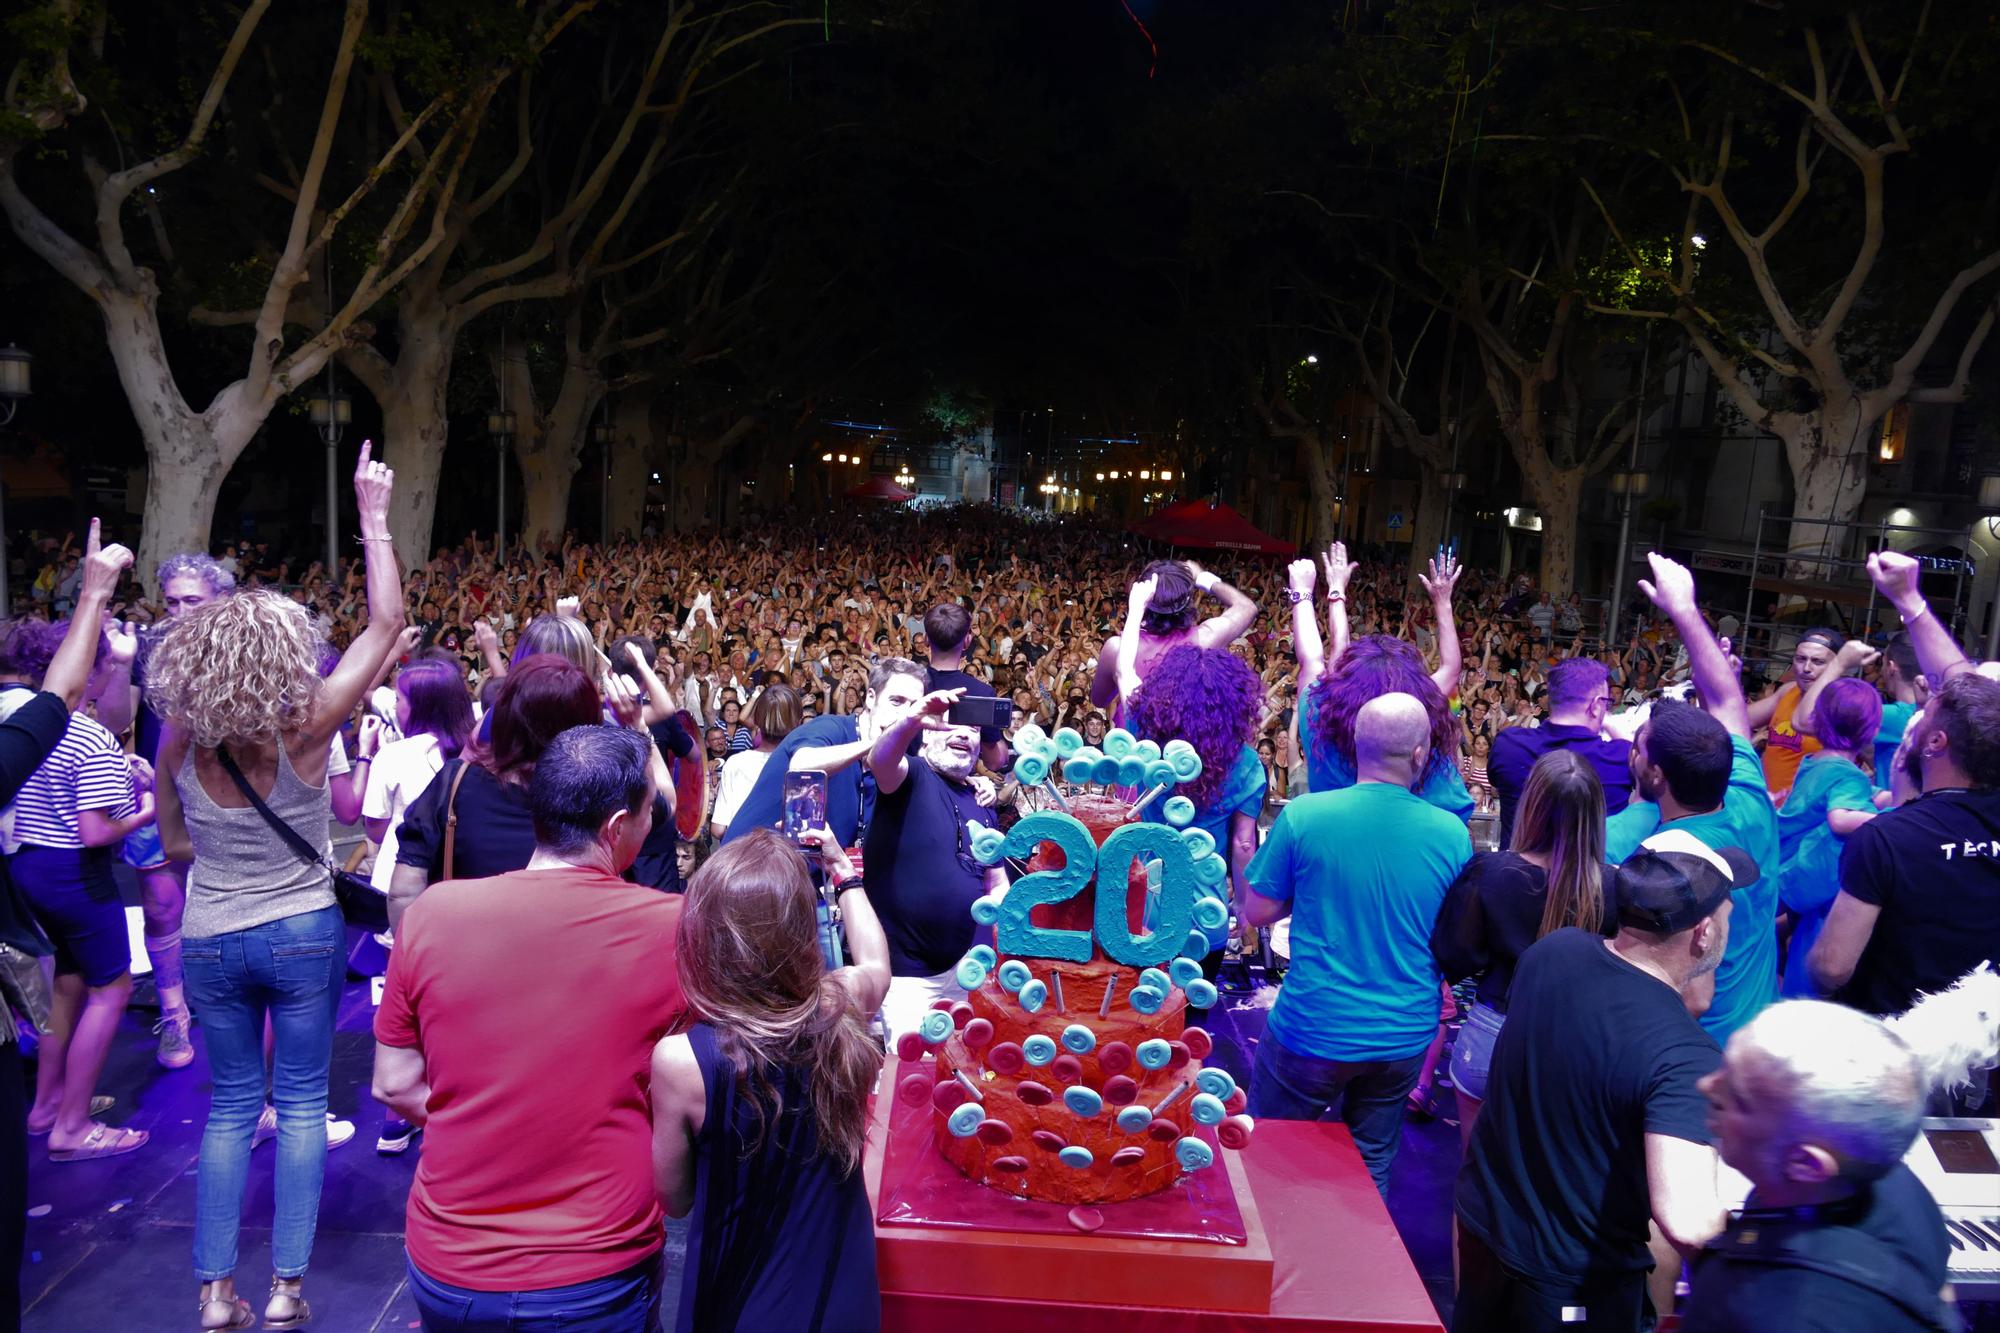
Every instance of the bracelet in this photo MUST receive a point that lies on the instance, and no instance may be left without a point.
(851, 882)
(375, 539)
(1336, 597)
(1911, 617)
(364, 759)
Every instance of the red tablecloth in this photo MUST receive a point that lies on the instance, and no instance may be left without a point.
(1338, 1262)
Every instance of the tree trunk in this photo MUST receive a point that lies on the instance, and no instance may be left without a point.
(698, 491)
(1427, 524)
(632, 456)
(188, 453)
(1557, 493)
(411, 393)
(1827, 451)
(1324, 488)
(552, 453)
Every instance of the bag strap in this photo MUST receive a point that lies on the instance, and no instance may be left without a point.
(451, 817)
(302, 849)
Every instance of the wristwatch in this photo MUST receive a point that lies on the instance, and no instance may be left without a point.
(1294, 596)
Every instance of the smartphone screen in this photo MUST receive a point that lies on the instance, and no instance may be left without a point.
(805, 801)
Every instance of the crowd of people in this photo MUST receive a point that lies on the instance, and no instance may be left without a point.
(1700, 895)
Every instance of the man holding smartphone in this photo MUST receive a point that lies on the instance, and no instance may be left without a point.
(948, 631)
(922, 877)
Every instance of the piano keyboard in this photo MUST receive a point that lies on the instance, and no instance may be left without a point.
(1970, 1201)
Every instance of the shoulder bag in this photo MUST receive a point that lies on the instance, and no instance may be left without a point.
(359, 902)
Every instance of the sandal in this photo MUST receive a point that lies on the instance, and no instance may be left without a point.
(102, 1141)
(301, 1312)
(98, 1106)
(241, 1315)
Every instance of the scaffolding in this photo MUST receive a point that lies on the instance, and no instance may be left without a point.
(1840, 582)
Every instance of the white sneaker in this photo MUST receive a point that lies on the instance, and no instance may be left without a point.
(337, 1131)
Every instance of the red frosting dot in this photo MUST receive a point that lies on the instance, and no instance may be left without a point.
(1235, 1131)
(1130, 1155)
(1114, 1057)
(1012, 1166)
(910, 1047)
(914, 1090)
(1178, 1054)
(1048, 1140)
(947, 1096)
(977, 1033)
(1199, 1043)
(1166, 1131)
(995, 1132)
(1034, 1094)
(1236, 1102)
(961, 1014)
(1006, 1058)
(1067, 1069)
(1120, 1090)
(944, 1006)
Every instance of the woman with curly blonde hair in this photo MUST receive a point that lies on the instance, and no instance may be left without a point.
(238, 685)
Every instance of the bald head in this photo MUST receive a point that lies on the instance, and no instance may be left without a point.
(1392, 736)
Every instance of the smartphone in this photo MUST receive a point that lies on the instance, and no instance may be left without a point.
(981, 711)
(805, 802)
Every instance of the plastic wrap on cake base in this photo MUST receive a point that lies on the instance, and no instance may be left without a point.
(1069, 1074)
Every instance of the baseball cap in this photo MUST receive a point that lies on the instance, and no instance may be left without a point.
(1675, 879)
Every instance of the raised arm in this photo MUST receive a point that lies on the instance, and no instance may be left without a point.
(1853, 655)
(866, 980)
(1307, 646)
(1128, 642)
(1339, 570)
(1938, 654)
(1440, 582)
(889, 760)
(69, 670)
(1238, 611)
(1672, 590)
(373, 483)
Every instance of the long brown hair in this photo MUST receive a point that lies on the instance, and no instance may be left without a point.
(1561, 817)
(749, 957)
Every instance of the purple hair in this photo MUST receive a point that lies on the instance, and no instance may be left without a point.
(1208, 697)
(27, 646)
(1374, 665)
(1848, 715)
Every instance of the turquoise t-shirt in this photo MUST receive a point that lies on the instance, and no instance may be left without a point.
(1895, 721)
(1365, 870)
(1242, 793)
(1327, 769)
(1809, 851)
(1747, 981)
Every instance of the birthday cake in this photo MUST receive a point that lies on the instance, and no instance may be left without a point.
(1069, 1073)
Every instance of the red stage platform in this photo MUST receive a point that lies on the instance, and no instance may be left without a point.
(1336, 1262)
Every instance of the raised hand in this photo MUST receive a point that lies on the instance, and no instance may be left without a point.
(373, 484)
(1895, 577)
(622, 697)
(1302, 575)
(656, 689)
(121, 639)
(102, 566)
(569, 606)
(484, 637)
(1853, 656)
(1671, 588)
(1339, 569)
(1142, 592)
(368, 739)
(1442, 577)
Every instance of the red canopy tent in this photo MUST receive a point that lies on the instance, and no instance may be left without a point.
(880, 487)
(1205, 524)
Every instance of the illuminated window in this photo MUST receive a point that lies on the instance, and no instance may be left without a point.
(1895, 432)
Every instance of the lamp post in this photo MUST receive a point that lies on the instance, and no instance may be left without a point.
(1453, 483)
(332, 412)
(1629, 487)
(17, 381)
(604, 433)
(500, 425)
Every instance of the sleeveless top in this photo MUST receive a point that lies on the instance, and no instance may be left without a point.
(778, 1237)
(243, 873)
(1785, 745)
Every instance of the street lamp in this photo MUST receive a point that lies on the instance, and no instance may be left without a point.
(500, 425)
(1630, 487)
(17, 381)
(331, 413)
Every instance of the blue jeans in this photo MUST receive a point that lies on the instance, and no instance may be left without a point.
(627, 1302)
(1472, 1050)
(292, 970)
(1368, 1094)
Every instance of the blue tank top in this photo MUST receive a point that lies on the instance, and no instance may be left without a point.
(779, 1237)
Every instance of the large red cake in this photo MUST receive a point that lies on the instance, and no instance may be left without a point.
(1027, 1130)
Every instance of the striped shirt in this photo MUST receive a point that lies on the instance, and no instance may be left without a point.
(86, 771)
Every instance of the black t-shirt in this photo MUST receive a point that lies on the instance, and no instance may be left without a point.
(921, 875)
(1933, 867)
(496, 829)
(1491, 915)
(1765, 1272)
(1596, 1054)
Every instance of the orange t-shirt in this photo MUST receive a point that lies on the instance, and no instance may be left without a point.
(536, 998)
(1784, 746)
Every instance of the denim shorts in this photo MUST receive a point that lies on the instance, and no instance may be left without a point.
(75, 898)
(1472, 1050)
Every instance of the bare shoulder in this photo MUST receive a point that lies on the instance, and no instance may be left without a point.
(677, 1078)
